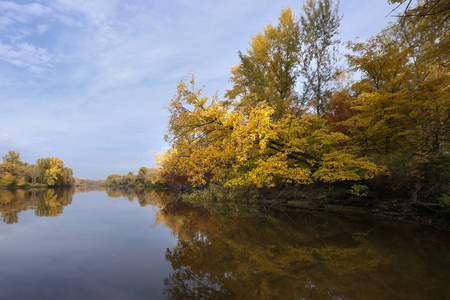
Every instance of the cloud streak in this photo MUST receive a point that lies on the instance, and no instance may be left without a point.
(27, 56)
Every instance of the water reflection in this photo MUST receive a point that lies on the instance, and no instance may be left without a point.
(308, 256)
(51, 202)
(157, 198)
(87, 189)
(283, 255)
(45, 202)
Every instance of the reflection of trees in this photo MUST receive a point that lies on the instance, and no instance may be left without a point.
(262, 258)
(285, 257)
(277, 256)
(52, 202)
(11, 203)
(117, 192)
(144, 196)
(45, 202)
(87, 189)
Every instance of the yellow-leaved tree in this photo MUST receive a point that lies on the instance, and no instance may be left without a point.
(213, 141)
(403, 110)
(259, 135)
(56, 174)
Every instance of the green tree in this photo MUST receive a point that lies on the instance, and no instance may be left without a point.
(130, 179)
(268, 72)
(12, 157)
(320, 23)
(143, 173)
(113, 179)
(31, 173)
(43, 165)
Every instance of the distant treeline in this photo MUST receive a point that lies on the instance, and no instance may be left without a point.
(47, 172)
(88, 182)
(149, 177)
(145, 177)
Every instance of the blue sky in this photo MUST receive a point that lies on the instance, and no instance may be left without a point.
(87, 80)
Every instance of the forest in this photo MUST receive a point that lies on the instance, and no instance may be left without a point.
(304, 121)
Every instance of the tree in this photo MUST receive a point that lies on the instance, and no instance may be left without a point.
(268, 72)
(213, 142)
(53, 172)
(403, 110)
(386, 72)
(143, 173)
(339, 110)
(31, 173)
(404, 104)
(7, 180)
(12, 157)
(130, 179)
(432, 19)
(259, 135)
(320, 23)
(43, 165)
(12, 169)
(113, 179)
(283, 54)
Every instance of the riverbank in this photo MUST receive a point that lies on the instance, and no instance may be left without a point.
(331, 199)
(380, 206)
(306, 199)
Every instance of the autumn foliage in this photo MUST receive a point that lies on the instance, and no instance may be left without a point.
(275, 128)
(49, 171)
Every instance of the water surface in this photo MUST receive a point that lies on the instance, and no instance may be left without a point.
(119, 244)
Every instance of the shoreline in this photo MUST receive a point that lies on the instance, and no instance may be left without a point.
(382, 210)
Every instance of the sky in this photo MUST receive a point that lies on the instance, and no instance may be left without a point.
(87, 80)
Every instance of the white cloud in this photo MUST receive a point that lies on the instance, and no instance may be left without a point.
(5, 21)
(16, 22)
(29, 9)
(98, 11)
(27, 56)
(12, 13)
(41, 28)
(67, 20)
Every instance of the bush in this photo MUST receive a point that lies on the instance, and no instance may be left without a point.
(444, 202)
(7, 180)
(219, 199)
(359, 190)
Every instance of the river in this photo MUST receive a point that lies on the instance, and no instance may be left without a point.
(127, 244)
